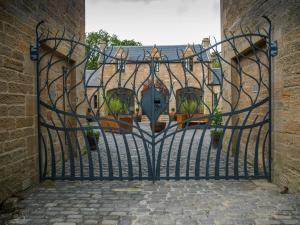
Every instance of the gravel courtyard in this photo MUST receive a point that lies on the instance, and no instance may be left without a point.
(161, 203)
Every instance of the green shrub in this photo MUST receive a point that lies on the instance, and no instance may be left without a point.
(217, 118)
(90, 132)
(190, 106)
(113, 105)
(217, 132)
(217, 121)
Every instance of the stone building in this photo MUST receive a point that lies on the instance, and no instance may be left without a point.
(18, 111)
(129, 67)
(285, 80)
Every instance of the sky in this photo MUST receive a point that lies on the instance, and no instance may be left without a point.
(160, 22)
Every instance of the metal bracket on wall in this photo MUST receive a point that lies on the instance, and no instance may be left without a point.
(33, 53)
(274, 48)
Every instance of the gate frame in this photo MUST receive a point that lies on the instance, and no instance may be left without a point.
(272, 52)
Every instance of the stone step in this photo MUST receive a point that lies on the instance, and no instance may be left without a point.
(162, 118)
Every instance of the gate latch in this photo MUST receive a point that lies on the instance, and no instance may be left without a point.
(274, 48)
(33, 53)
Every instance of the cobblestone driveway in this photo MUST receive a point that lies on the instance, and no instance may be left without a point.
(161, 203)
(178, 150)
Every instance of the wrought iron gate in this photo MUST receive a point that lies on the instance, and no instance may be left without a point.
(218, 121)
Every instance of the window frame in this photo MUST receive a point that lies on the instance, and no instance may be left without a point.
(189, 64)
(95, 101)
(120, 65)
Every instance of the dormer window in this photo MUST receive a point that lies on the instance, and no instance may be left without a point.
(189, 64)
(120, 65)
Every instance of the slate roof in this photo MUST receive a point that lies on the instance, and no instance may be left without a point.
(168, 52)
(92, 78)
(217, 76)
(135, 53)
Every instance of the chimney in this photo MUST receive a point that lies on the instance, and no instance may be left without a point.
(205, 43)
(102, 45)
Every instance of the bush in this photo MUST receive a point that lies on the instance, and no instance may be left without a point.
(190, 106)
(114, 105)
(216, 120)
(91, 133)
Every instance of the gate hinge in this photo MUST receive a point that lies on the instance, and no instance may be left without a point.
(274, 48)
(33, 53)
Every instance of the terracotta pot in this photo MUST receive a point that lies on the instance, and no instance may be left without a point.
(107, 124)
(127, 128)
(180, 117)
(115, 126)
(215, 138)
(198, 120)
(159, 126)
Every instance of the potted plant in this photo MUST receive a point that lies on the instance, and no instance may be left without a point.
(190, 108)
(92, 137)
(216, 133)
(117, 111)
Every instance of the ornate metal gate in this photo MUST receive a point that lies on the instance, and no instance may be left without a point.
(161, 112)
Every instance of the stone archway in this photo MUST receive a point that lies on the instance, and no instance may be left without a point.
(189, 93)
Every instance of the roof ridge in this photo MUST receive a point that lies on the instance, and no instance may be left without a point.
(152, 46)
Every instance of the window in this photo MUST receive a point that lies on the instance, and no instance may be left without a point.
(255, 88)
(156, 66)
(95, 101)
(189, 64)
(120, 66)
(215, 100)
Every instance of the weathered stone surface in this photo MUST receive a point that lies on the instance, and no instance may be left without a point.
(9, 205)
(18, 150)
(284, 16)
(162, 202)
(10, 99)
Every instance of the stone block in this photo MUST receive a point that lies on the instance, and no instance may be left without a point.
(7, 124)
(31, 105)
(3, 87)
(3, 110)
(16, 110)
(20, 88)
(13, 64)
(24, 122)
(10, 99)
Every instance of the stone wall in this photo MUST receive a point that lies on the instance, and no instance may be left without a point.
(285, 18)
(18, 127)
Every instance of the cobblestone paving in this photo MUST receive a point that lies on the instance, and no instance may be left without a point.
(176, 151)
(164, 202)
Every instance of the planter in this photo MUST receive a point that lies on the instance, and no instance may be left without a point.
(158, 127)
(215, 137)
(127, 128)
(93, 141)
(180, 118)
(137, 118)
(115, 126)
(198, 120)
